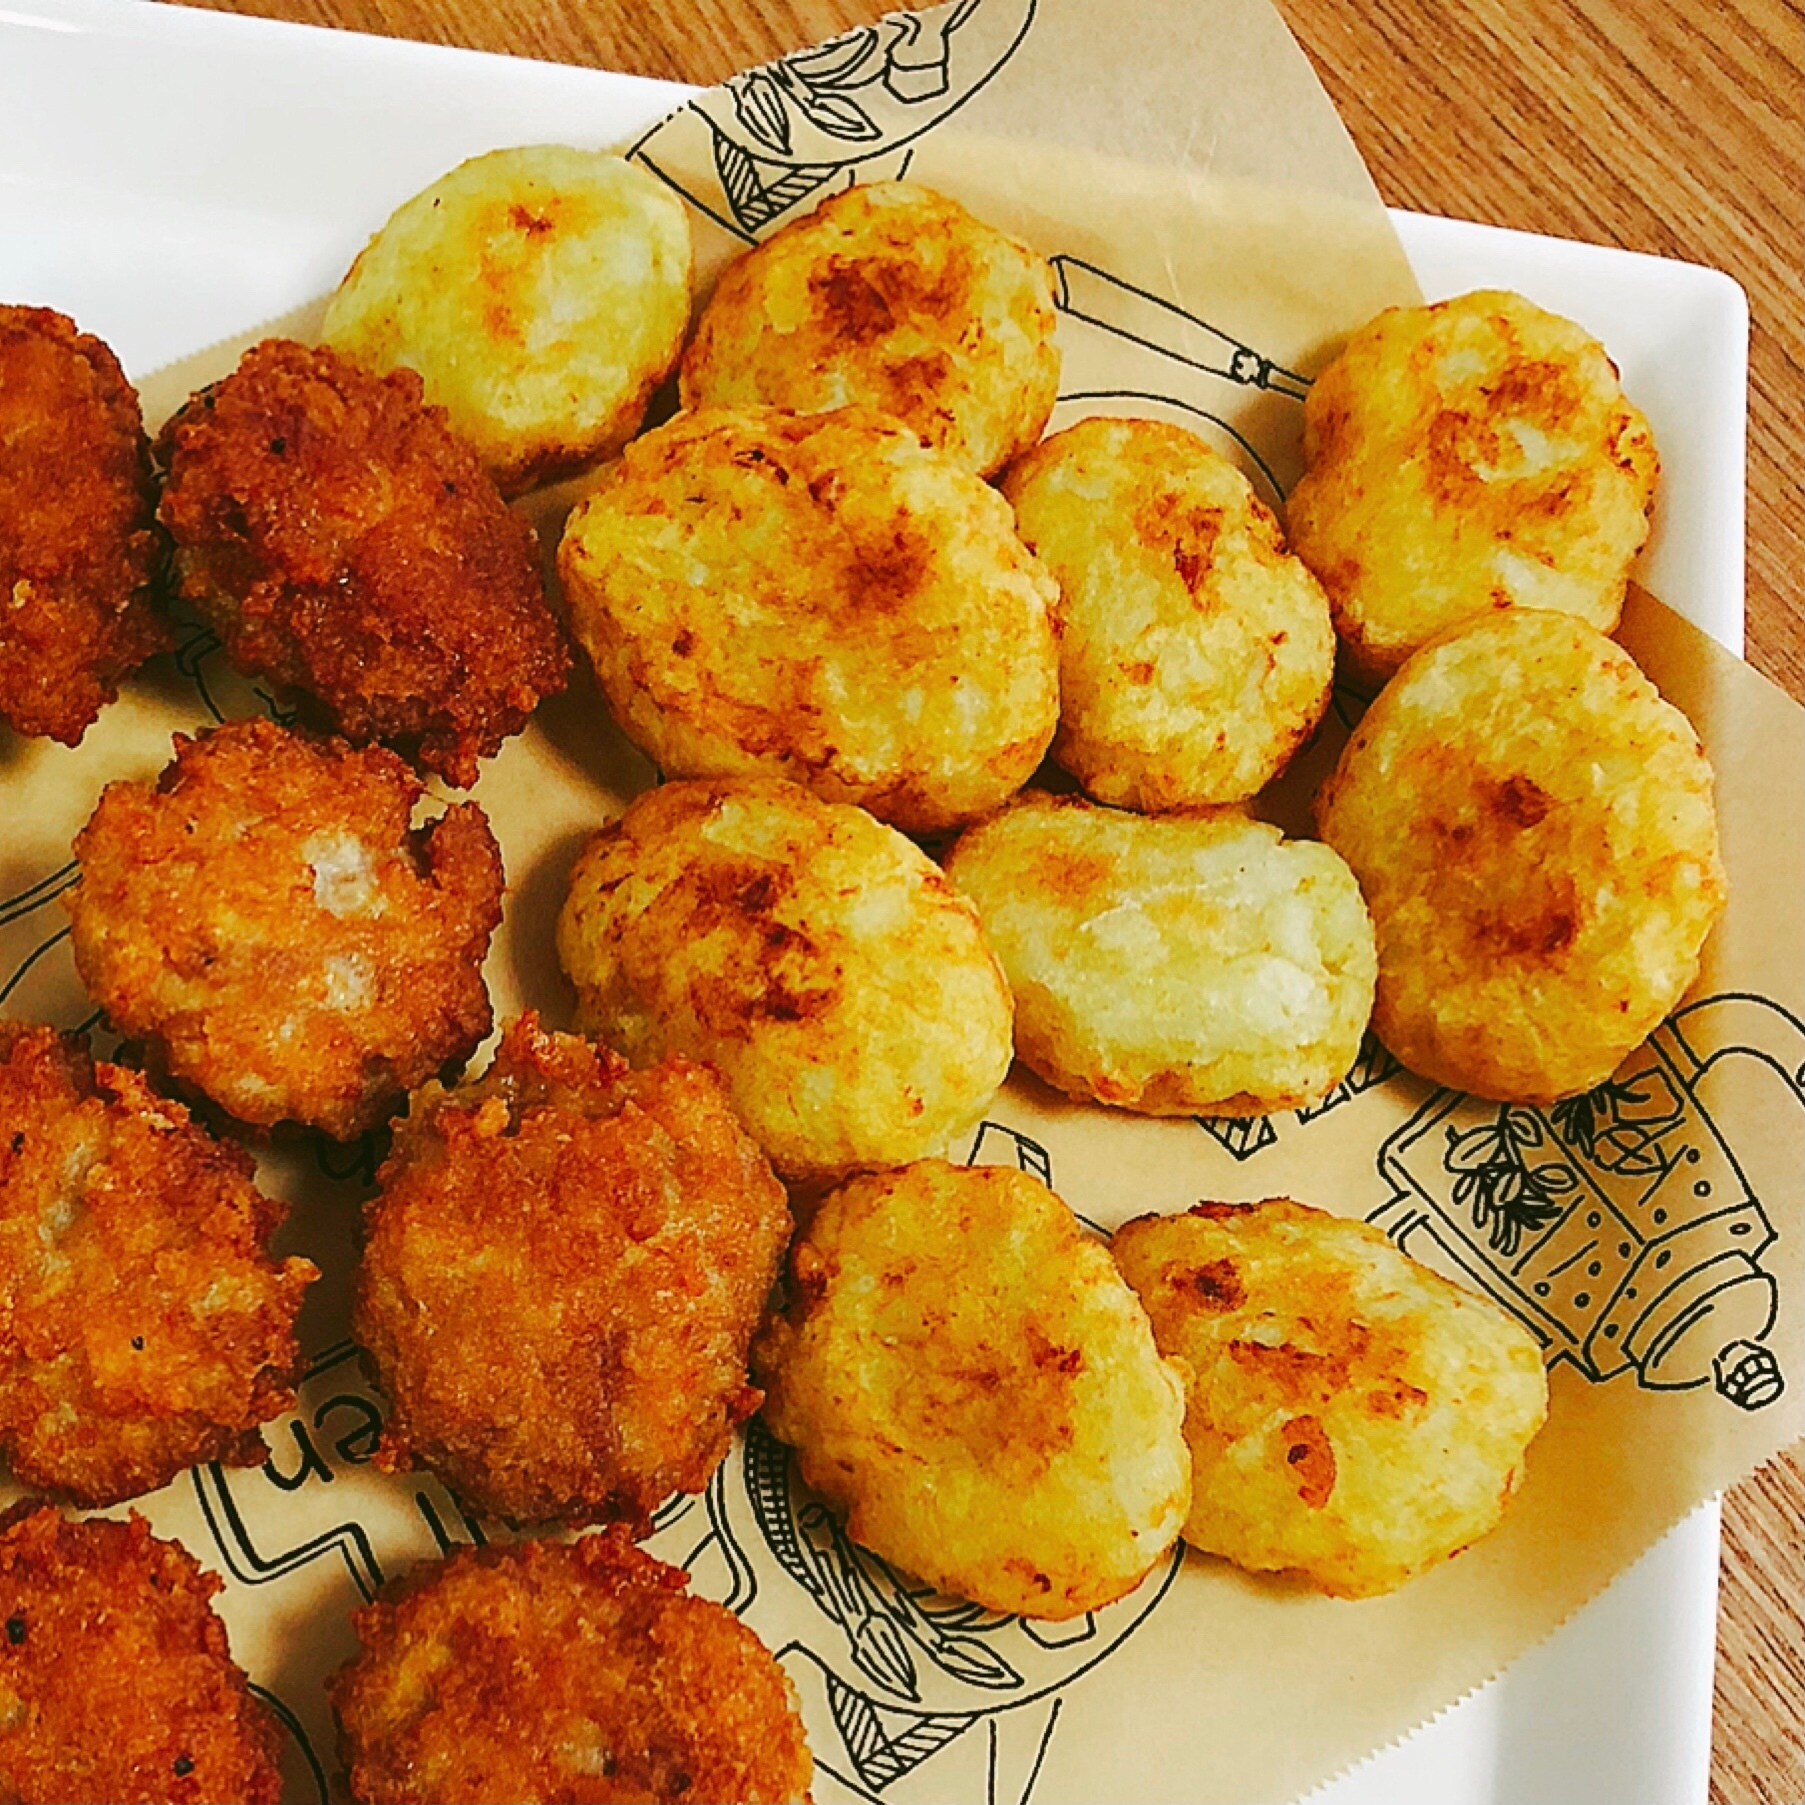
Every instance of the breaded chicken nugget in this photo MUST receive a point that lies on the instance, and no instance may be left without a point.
(818, 599)
(1475, 454)
(143, 1326)
(560, 1277)
(963, 1372)
(817, 959)
(78, 539)
(893, 297)
(116, 1683)
(1187, 964)
(266, 920)
(1353, 1416)
(563, 1674)
(340, 539)
(1195, 654)
(541, 293)
(1534, 831)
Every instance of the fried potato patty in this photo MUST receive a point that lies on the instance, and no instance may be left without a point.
(563, 1674)
(541, 293)
(560, 1277)
(143, 1325)
(78, 539)
(1195, 654)
(963, 1372)
(342, 540)
(116, 1683)
(1475, 454)
(814, 957)
(820, 599)
(1178, 965)
(893, 297)
(1534, 830)
(266, 920)
(1353, 1416)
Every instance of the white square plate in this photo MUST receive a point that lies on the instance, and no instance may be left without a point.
(171, 177)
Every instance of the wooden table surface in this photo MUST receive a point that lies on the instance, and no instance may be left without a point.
(1668, 126)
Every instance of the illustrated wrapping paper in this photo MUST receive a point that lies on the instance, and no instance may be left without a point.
(1214, 238)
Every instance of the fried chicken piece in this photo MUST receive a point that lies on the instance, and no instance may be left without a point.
(342, 540)
(143, 1326)
(116, 1683)
(578, 1673)
(266, 920)
(78, 540)
(561, 1276)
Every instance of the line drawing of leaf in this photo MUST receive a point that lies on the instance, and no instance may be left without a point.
(836, 63)
(838, 117)
(968, 1659)
(878, 1649)
(1553, 1178)
(758, 105)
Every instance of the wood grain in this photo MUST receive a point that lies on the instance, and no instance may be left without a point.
(1668, 126)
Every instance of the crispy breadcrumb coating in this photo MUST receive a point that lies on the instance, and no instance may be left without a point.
(1195, 653)
(342, 540)
(143, 1326)
(1533, 827)
(1472, 455)
(265, 918)
(893, 297)
(561, 1275)
(541, 292)
(819, 599)
(817, 959)
(563, 1674)
(1353, 1416)
(116, 1683)
(964, 1373)
(78, 539)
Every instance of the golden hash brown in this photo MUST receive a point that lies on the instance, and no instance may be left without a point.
(78, 539)
(892, 297)
(963, 1373)
(1534, 831)
(116, 1684)
(1475, 454)
(819, 961)
(342, 540)
(1195, 654)
(560, 1277)
(1353, 1417)
(1186, 964)
(266, 920)
(542, 293)
(143, 1326)
(822, 600)
(563, 1674)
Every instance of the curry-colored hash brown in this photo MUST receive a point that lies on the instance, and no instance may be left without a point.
(1472, 455)
(1195, 654)
(963, 1372)
(542, 1672)
(343, 542)
(560, 1277)
(1176, 965)
(267, 920)
(145, 1327)
(819, 599)
(542, 294)
(78, 540)
(1353, 1417)
(892, 297)
(116, 1676)
(1534, 830)
(818, 960)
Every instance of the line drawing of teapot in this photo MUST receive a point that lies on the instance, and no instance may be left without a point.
(1620, 1227)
